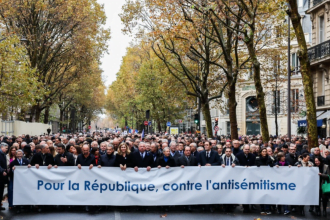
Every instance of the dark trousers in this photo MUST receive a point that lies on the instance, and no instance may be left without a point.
(10, 192)
(2, 188)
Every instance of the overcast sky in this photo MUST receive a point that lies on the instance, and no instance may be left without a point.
(118, 42)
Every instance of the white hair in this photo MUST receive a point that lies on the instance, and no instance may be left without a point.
(173, 143)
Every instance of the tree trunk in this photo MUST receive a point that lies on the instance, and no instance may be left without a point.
(259, 91)
(37, 114)
(232, 110)
(46, 117)
(276, 124)
(306, 74)
(159, 126)
(33, 110)
(61, 118)
(207, 118)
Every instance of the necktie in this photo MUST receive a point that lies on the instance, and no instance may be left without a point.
(188, 161)
(141, 155)
(228, 162)
(20, 162)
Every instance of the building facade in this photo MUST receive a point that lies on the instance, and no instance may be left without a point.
(319, 55)
(275, 94)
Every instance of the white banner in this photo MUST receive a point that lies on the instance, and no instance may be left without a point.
(174, 186)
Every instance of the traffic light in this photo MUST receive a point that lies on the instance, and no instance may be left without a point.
(196, 119)
(147, 114)
(216, 121)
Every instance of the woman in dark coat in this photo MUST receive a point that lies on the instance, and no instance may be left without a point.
(122, 156)
(264, 160)
(324, 176)
(303, 161)
(282, 162)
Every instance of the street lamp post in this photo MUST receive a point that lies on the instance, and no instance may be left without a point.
(289, 83)
(199, 103)
(276, 105)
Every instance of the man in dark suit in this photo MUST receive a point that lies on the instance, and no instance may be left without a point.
(174, 154)
(154, 153)
(245, 158)
(180, 148)
(63, 158)
(108, 159)
(194, 152)
(3, 169)
(19, 161)
(187, 159)
(141, 158)
(43, 158)
(208, 157)
(193, 149)
(86, 159)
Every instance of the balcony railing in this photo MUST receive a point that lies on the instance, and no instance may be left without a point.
(319, 51)
(320, 100)
(315, 2)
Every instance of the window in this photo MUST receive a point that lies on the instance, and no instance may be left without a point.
(228, 127)
(300, 3)
(251, 73)
(276, 101)
(320, 83)
(277, 64)
(321, 29)
(295, 64)
(294, 100)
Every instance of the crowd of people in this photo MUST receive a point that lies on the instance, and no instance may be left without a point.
(106, 149)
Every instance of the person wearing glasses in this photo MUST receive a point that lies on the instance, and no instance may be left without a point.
(236, 147)
(292, 156)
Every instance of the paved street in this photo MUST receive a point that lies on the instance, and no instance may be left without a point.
(154, 213)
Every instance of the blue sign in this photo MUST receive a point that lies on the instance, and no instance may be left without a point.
(168, 124)
(149, 122)
(303, 123)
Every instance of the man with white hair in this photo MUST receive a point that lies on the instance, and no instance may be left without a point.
(65, 141)
(141, 159)
(174, 153)
(103, 148)
(94, 144)
(23, 145)
(72, 141)
(200, 149)
(43, 158)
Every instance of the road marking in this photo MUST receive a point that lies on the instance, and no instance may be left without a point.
(117, 215)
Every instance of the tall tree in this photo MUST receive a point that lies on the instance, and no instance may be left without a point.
(143, 83)
(18, 84)
(62, 38)
(234, 61)
(183, 46)
(306, 73)
(256, 19)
